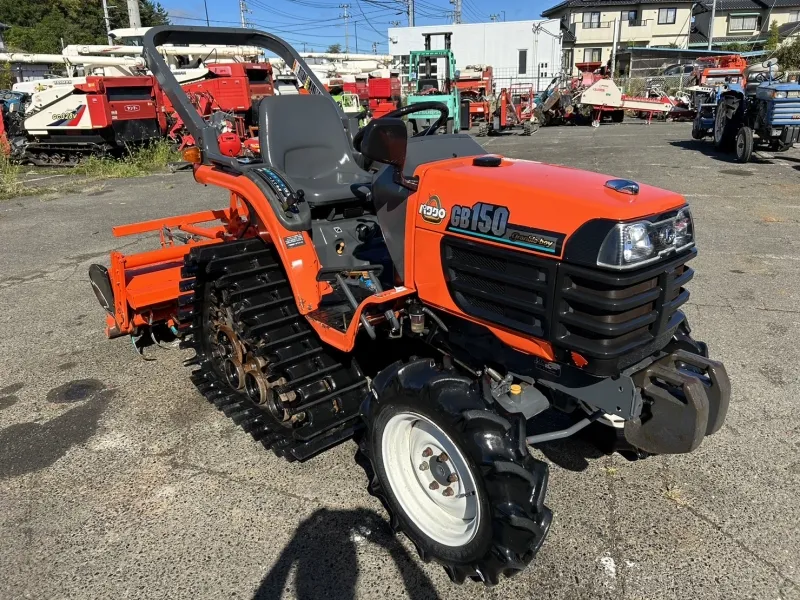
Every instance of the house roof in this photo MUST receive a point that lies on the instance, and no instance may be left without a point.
(755, 5)
(581, 4)
(566, 34)
(788, 29)
(698, 38)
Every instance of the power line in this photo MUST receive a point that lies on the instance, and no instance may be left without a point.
(366, 20)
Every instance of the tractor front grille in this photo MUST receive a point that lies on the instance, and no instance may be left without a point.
(784, 112)
(500, 286)
(607, 315)
(613, 319)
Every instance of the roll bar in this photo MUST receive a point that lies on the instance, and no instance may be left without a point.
(204, 134)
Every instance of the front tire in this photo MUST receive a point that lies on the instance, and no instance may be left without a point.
(493, 519)
(744, 144)
(724, 128)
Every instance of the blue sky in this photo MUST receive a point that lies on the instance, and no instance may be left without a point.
(317, 24)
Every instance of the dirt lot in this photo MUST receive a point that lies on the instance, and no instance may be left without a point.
(117, 480)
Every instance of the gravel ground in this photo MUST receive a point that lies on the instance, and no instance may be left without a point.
(117, 480)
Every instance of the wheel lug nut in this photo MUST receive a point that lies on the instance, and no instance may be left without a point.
(427, 452)
(433, 486)
(424, 467)
(447, 492)
(443, 457)
(452, 478)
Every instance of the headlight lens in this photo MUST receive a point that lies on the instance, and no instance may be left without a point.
(779, 94)
(631, 245)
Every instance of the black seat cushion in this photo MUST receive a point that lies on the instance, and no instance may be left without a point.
(303, 136)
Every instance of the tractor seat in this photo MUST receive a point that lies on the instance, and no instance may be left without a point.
(303, 137)
(751, 80)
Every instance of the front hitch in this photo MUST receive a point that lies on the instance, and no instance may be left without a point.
(686, 398)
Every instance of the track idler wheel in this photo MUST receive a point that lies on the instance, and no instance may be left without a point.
(454, 474)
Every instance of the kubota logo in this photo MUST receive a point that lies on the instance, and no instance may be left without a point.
(132, 108)
(432, 211)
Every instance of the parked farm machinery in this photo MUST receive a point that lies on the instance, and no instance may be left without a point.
(515, 109)
(429, 84)
(755, 110)
(429, 301)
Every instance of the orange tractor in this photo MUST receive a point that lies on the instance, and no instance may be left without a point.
(429, 300)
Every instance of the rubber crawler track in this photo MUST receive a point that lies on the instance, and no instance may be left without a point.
(247, 279)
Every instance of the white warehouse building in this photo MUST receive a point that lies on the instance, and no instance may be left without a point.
(523, 52)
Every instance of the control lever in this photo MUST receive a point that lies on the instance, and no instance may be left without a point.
(389, 314)
(292, 200)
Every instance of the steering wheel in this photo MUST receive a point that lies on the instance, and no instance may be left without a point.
(444, 112)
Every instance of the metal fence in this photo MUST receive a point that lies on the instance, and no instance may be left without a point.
(541, 76)
(637, 84)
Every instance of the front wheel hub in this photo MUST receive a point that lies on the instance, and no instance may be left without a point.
(442, 499)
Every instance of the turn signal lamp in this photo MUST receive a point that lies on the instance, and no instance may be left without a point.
(193, 155)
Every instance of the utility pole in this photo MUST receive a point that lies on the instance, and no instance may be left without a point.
(615, 41)
(107, 22)
(205, 4)
(456, 11)
(394, 23)
(493, 18)
(374, 47)
(133, 14)
(410, 13)
(355, 30)
(346, 16)
(243, 10)
(711, 24)
(536, 28)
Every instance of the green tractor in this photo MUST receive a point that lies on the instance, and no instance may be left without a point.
(430, 86)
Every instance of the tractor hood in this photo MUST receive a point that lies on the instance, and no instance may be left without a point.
(551, 202)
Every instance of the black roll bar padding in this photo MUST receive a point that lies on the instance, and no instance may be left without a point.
(204, 134)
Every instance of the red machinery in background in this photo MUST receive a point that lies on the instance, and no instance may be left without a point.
(95, 115)
(476, 85)
(515, 108)
(228, 97)
(712, 70)
(384, 94)
(359, 86)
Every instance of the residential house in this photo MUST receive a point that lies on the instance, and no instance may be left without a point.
(742, 24)
(588, 27)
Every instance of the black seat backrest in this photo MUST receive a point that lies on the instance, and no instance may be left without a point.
(304, 137)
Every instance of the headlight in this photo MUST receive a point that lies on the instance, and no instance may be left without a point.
(779, 94)
(631, 245)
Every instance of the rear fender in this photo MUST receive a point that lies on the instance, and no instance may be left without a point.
(295, 248)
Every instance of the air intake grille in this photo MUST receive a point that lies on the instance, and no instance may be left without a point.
(501, 286)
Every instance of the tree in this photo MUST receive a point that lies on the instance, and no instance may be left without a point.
(41, 26)
(773, 38)
(6, 80)
(335, 49)
(788, 55)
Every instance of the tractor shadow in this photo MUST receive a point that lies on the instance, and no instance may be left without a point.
(325, 556)
(707, 147)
